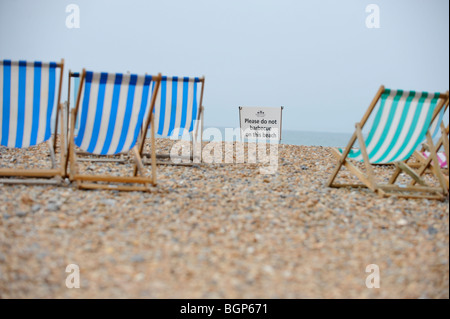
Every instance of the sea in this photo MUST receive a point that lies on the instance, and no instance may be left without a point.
(290, 137)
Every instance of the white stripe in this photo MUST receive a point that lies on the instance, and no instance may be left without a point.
(135, 113)
(45, 71)
(80, 110)
(406, 128)
(392, 129)
(419, 127)
(93, 97)
(1, 98)
(107, 103)
(168, 108)
(157, 108)
(120, 113)
(28, 106)
(14, 105)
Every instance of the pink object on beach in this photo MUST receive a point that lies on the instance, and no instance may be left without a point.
(441, 157)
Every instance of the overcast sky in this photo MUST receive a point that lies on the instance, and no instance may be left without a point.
(316, 58)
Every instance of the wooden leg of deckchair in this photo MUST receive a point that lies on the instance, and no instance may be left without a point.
(62, 147)
(420, 158)
(409, 171)
(395, 175)
(360, 175)
(72, 155)
(56, 127)
(152, 120)
(139, 164)
(436, 166)
(341, 160)
(365, 156)
(52, 152)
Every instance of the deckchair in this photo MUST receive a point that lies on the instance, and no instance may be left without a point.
(111, 110)
(400, 125)
(72, 92)
(179, 110)
(29, 92)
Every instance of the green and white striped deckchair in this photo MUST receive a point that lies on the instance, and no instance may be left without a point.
(401, 124)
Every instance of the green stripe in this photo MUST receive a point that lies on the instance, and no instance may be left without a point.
(413, 126)
(376, 122)
(425, 127)
(401, 124)
(388, 125)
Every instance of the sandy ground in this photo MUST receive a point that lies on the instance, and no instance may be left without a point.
(221, 231)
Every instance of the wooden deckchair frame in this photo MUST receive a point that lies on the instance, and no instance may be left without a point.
(427, 163)
(441, 143)
(44, 176)
(88, 181)
(199, 119)
(384, 190)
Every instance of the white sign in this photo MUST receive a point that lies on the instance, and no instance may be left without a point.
(260, 122)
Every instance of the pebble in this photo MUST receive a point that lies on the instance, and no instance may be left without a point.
(21, 214)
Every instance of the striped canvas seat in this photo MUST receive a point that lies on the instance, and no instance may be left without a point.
(112, 112)
(399, 127)
(176, 108)
(27, 101)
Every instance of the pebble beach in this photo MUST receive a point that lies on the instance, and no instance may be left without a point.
(220, 231)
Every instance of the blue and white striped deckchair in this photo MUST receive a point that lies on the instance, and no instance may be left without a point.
(178, 109)
(402, 122)
(29, 92)
(111, 110)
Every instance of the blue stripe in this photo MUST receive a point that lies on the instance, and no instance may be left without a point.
(194, 106)
(112, 114)
(184, 104)
(36, 102)
(51, 100)
(128, 112)
(98, 112)
(173, 109)
(162, 111)
(21, 103)
(6, 101)
(142, 111)
(85, 108)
